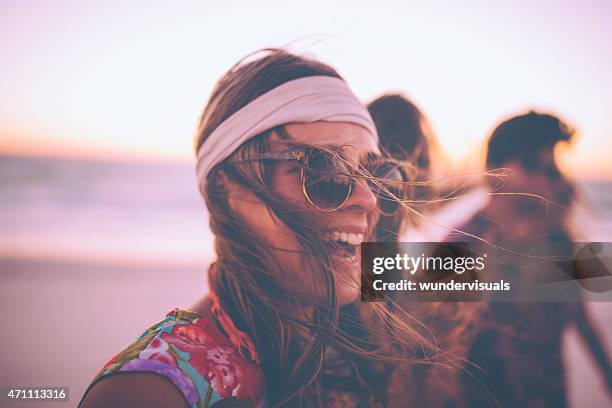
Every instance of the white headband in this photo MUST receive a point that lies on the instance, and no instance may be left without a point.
(304, 100)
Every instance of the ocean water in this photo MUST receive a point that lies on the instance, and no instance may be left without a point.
(82, 210)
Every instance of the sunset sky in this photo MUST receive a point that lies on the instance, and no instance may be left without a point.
(120, 79)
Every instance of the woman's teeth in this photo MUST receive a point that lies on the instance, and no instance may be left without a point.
(344, 244)
(350, 238)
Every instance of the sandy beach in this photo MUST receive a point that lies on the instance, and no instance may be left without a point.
(63, 320)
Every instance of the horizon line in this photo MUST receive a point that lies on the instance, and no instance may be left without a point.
(116, 156)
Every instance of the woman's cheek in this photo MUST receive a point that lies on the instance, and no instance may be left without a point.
(257, 216)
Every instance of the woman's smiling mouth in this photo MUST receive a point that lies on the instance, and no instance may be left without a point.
(343, 243)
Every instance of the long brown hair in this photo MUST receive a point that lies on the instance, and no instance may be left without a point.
(247, 278)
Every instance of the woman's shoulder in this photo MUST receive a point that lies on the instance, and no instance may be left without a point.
(195, 355)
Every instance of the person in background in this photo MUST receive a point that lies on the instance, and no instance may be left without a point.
(434, 204)
(525, 146)
(515, 356)
(405, 134)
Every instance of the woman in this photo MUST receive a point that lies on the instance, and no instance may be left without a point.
(291, 172)
(403, 129)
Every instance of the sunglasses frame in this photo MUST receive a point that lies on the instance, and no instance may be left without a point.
(299, 153)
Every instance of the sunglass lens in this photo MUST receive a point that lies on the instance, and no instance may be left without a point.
(324, 186)
(387, 187)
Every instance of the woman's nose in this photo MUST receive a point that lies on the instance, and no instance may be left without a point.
(362, 197)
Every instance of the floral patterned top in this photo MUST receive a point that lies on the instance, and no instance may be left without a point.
(198, 355)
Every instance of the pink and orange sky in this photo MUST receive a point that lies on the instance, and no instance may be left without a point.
(128, 79)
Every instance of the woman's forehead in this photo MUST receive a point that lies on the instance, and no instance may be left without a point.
(354, 139)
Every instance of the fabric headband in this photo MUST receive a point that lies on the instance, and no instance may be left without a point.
(303, 100)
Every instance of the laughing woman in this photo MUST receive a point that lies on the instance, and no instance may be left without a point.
(290, 169)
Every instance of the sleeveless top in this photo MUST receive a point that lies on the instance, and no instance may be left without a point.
(207, 359)
(214, 364)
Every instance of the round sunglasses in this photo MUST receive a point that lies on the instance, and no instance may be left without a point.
(328, 180)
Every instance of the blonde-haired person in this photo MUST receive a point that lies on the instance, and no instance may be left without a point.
(289, 167)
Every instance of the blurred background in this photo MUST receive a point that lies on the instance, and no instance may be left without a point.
(102, 229)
